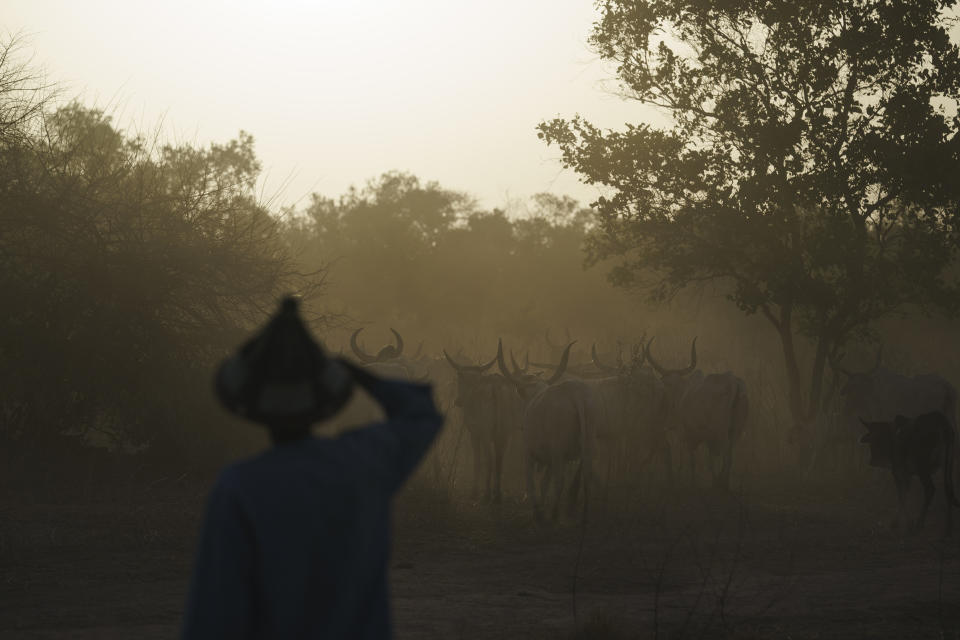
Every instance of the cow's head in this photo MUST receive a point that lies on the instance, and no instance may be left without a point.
(473, 387)
(529, 385)
(859, 390)
(881, 436)
(674, 380)
(389, 352)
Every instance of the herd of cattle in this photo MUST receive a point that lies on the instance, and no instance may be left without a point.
(571, 417)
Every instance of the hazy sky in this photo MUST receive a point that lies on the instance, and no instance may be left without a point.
(338, 91)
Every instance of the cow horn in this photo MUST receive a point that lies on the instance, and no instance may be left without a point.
(596, 360)
(676, 372)
(472, 368)
(399, 338)
(357, 351)
(562, 367)
(526, 363)
(503, 366)
(513, 363)
(693, 358)
(653, 362)
(453, 363)
(481, 368)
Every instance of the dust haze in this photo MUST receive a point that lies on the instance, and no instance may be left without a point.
(716, 400)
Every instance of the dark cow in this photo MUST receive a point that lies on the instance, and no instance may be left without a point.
(705, 409)
(915, 447)
(490, 410)
(559, 428)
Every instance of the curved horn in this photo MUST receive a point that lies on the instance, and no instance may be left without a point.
(673, 372)
(543, 365)
(357, 351)
(453, 363)
(653, 362)
(399, 338)
(513, 363)
(472, 368)
(517, 368)
(693, 358)
(481, 368)
(596, 360)
(562, 367)
(419, 350)
(503, 366)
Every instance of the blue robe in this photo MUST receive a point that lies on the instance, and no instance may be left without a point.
(296, 541)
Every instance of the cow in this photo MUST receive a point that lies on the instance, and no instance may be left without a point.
(490, 410)
(704, 409)
(879, 395)
(635, 410)
(559, 424)
(919, 447)
(632, 403)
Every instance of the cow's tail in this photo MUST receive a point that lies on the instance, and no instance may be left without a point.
(949, 438)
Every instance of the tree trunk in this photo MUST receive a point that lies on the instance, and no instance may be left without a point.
(784, 327)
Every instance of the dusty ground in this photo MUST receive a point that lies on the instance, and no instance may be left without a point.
(771, 563)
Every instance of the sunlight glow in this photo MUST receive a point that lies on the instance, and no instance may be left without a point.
(335, 92)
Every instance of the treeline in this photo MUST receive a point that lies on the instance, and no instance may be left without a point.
(444, 271)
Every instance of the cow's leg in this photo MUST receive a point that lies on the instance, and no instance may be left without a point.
(500, 446)
(574, 490)
(668, 460)
(723, 481)
(692, 451)
(928, 491)
(478, 471)
(532, 490)
(558, 482)
(545, 481)
(606, 484)
(903, 486)
(487, 470)
(948, 531)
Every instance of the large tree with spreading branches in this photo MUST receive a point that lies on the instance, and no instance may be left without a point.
(810, 162)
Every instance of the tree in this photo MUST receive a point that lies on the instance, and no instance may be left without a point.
(809, 162)
(126, 270)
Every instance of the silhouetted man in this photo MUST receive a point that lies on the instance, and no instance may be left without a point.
(295, 541)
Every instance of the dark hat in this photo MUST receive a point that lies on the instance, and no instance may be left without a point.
(282, 377)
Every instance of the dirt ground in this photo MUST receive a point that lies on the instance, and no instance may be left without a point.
(801, 562)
